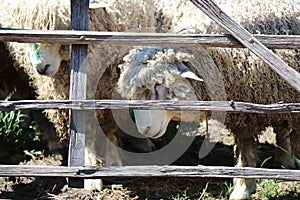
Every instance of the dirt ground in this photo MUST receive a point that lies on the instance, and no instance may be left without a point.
(151, 188)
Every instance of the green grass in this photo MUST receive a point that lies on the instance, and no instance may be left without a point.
(14, 129)
(267, 189)
(18, 133)
(277, 189)
(289, 154)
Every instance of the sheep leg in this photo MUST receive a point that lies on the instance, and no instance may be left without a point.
(91, 160)
(283, 141)
(99, 147)
(91, 155)
(94, 156)
(112, 154)
(246, 152)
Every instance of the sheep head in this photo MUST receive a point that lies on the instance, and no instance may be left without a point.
(156, 73)
(46, 58)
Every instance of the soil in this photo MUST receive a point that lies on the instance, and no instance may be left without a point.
(138, 188)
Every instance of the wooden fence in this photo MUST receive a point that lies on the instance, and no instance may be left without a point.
(79, 37)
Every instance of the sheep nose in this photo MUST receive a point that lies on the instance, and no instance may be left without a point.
(144, 129)
(43, 70)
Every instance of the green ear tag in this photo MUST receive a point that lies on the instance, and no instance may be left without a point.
(135, 115)
(37, 52)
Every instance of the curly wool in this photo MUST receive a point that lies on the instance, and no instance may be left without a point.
(258, 17)
(35, 14)
(150, 66)
(117, 15)
(250, 79)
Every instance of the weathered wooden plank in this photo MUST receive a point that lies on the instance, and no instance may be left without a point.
(227, 106)
(147, 171)
(161, 39)
(248, 40)
(79, 21)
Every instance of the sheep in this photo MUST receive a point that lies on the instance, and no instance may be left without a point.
(227, 74)
(15, 86)
(47, 65)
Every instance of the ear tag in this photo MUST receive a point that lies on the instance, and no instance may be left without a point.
(135, 115)
(186, 72)
(37, 51)
(191, 75)
(144, 119)
(94, 4)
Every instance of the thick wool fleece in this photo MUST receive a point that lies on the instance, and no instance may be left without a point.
(117, 15)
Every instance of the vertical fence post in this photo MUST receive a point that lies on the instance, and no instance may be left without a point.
(79, 21)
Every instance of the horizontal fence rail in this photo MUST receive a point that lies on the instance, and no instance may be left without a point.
(227, 106)
(147, 171)
(161, 39)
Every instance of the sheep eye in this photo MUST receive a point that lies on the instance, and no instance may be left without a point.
(146, 94)
(160, 92)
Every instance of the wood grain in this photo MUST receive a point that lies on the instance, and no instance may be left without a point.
(79, 21)
(148, 171)
(226, 106)
(160, 39)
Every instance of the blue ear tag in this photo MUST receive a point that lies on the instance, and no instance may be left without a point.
(135, 115)
(37, 51)
(144, 118)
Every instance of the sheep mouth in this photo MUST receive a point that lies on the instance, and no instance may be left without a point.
(160, 133)
(156, 136)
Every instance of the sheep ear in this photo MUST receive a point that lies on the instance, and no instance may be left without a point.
(186, 72)
(97, 4)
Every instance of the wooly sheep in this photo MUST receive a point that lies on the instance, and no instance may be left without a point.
(52, 60)
(15, 86)
(228, 74)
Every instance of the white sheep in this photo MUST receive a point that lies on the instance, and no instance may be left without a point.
(48, 64)
(228, 74)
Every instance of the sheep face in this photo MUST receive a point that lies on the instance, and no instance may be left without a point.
(153, 123)
(46, 58)
(154, 73)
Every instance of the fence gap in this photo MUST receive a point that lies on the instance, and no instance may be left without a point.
(79, 21)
